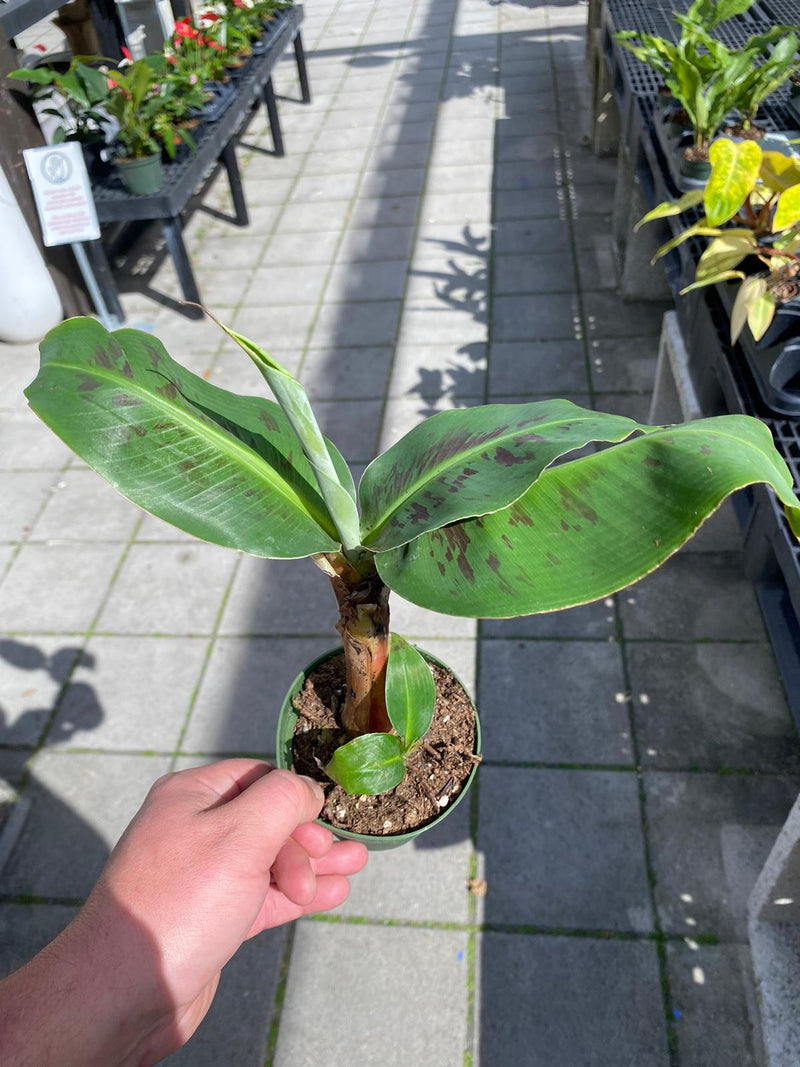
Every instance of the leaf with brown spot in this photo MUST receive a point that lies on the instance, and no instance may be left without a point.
(214, 464)
(450, 451)
(634, 515)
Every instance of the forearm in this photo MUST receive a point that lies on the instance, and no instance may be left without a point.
(79, 1003)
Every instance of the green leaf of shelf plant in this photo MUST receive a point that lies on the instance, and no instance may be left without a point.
(410, 692)
(671, 207)
(750, 290)
(224, 468)
(591, 527)
(725, 252)
(369, 764)
(787, 211)
(760, 314)
(734, 170)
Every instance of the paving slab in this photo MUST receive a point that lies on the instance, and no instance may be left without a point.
(25, 444)
(279, 597)
(24, 497)
(83, 507)
(432, 371)
(239, 699)
(76, 581)
(236, 1029)
(578, 862)
(425, 882)
(582, 1002)
(376, 280)
(534, 274)
(354, 323)
(627, 363)
(709, 705)
(574, 710)
(712, 992)
(534, 366)
(32, 672)
(595, 620)
(694, 596)
(349, 373)
(117, 700)
(709, 837)
(26, 928)
(169, 589)
(80, 804)
(417, 1017)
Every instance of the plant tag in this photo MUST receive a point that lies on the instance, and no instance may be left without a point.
(62, 193)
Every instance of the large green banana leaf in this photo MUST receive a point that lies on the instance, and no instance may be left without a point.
(224, 468)
(471, 461)
(588, 528)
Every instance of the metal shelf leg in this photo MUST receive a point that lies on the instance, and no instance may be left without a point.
(231, 164)
(302, 73)
(274, 121)
(173, 235)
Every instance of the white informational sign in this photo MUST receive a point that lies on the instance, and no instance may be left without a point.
(63, 193)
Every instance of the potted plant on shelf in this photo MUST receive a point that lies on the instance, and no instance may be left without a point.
(705, 82)
(145, 124)
(751, 213)
(77, 97)
(468, 514)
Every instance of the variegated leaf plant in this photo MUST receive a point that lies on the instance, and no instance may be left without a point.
(751, 207)
(468, 514)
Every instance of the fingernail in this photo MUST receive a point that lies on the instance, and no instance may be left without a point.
(315, 786)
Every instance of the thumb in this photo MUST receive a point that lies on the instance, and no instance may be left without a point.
(273, 806)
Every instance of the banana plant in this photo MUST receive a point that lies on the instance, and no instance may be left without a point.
(468, 514)
(758, 194)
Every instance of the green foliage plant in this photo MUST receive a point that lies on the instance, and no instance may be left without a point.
(468, 514)
(137, 100)
(707, 78)
(781, 64)
(751, 208)
(74, 95)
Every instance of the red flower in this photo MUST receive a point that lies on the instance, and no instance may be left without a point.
(126, 54)
(209, 16)
(183, 28)
(240, 4)
(172, 60)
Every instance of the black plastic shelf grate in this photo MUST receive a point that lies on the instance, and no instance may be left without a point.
(780, 11)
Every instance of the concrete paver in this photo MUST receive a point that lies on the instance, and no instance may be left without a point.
(437, 236)
(612, 987)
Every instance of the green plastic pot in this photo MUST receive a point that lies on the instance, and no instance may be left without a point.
(283, 757)
(141, 176)
(698, 169)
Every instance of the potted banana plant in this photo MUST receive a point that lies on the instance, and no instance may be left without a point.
(468, 514)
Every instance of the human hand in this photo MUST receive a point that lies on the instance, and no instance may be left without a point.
(215, 855)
